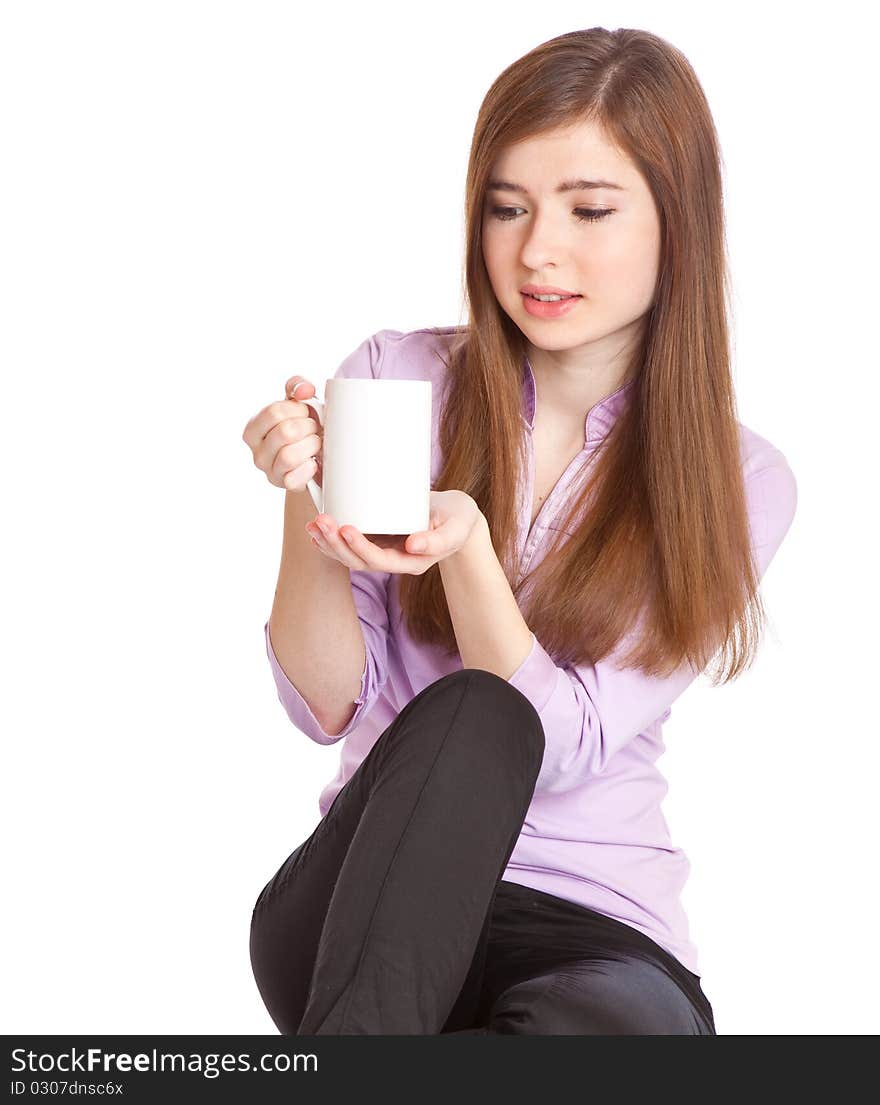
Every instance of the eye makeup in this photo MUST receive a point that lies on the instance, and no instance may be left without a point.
(585, 214)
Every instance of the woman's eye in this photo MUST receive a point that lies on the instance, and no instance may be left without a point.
(585, 214)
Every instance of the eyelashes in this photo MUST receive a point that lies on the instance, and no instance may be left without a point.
(585, 214)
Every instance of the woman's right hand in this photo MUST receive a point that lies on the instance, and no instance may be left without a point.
(286, 440)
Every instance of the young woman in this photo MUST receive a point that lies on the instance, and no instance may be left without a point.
(492, 855)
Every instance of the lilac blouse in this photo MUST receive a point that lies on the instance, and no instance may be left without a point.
(595, 831)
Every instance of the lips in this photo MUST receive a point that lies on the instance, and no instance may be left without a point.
(549, 308)
(560, 294)
(546, 289)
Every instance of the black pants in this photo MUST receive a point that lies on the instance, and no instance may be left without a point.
(392, 918)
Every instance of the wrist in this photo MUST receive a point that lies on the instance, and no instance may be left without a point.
(478, 539)
(480, 532)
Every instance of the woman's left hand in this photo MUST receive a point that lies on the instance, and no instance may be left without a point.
(453, 516)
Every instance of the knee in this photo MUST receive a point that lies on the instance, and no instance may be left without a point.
(506, 726)
(498, 709)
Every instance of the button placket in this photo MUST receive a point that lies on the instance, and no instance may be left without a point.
(597, 422)
(548, 507)
(525, 505)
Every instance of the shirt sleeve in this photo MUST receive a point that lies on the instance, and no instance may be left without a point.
(370, 593)
(590, 711)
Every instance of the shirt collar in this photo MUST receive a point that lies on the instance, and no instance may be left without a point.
(600, 417)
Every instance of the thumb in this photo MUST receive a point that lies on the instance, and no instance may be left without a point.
(300, 389)
(423, 541)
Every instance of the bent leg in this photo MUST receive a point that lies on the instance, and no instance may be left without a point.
(381, 909)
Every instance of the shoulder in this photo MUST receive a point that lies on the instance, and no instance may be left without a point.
(401, 354)
(771, 490)
(758, 452)
(417, 354)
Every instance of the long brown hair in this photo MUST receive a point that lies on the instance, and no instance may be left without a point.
(664, 547)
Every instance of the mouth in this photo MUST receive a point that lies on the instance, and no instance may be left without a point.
(547, 293)
(550, 298)
(550, 308)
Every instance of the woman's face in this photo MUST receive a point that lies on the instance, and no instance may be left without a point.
(535, 234)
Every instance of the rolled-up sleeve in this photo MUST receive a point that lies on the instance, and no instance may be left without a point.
(369, 591)
(590, 711)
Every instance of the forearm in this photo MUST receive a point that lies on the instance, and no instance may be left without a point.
(489, 627)
(314, 626)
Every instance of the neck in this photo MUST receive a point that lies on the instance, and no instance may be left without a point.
(566, 390)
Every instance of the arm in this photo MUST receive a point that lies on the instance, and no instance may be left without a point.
(588, 711)
(313, 636)
(489, 627)
(326, 638)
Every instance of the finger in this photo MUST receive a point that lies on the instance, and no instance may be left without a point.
(319, 541)
(289, 445)
(325, 529)
(432, 542)
(297, 387)
(420, 543)
(295, 478)
(300, 390)
(271, 416)
(377, 558)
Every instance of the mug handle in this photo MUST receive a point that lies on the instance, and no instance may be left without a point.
(316, 492)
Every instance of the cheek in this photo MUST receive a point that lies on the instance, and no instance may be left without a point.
(492, 245)
(498, 255)
(627, 267)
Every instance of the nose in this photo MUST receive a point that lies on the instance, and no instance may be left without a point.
(545, 243)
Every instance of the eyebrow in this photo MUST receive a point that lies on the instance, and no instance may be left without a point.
(565, 186)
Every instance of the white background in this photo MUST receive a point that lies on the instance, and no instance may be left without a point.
(199, 200)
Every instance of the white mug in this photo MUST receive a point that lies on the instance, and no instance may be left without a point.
(376, 454)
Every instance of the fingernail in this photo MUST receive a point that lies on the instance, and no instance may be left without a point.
(418, 546)
(301, 384)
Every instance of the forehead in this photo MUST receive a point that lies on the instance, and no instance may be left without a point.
(577, 150)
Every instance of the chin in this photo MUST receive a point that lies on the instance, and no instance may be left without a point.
(554, 334)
